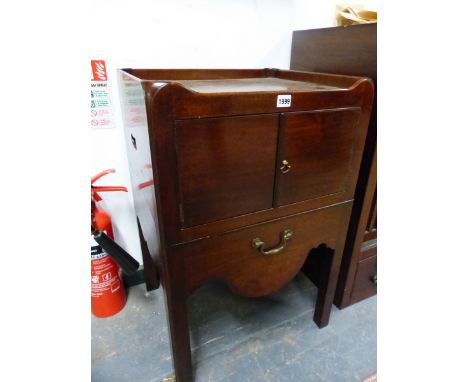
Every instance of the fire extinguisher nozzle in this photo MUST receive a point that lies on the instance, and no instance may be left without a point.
(128, 264)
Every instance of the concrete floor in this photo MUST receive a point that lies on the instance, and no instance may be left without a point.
(237, 339)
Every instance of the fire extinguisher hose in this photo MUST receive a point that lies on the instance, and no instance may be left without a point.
(128, 264)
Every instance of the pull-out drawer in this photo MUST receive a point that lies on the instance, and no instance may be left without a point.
(365, 283)
(260, 259)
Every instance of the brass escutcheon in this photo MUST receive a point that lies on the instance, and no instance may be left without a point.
(285, 166)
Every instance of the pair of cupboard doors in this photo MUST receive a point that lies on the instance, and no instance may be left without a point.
(236, 165)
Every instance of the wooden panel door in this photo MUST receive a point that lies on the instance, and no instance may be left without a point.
(226, 166)
(315, 149)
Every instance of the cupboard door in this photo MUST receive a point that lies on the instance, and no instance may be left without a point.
(226, 166)
(314, 153)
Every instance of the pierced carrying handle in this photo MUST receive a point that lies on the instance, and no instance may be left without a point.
(260, 245)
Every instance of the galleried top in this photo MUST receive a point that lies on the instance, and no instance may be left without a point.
(246, 80)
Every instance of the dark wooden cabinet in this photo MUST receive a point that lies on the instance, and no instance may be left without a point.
(239, 175)
(350, 50)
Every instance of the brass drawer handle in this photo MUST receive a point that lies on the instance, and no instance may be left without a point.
(259, 244)
(285, 166)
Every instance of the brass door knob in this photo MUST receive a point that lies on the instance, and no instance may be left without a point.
(285, 166)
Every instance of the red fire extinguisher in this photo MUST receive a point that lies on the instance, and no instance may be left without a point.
(107, 290)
